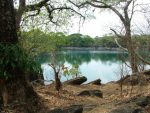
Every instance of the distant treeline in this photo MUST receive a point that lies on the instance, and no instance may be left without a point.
(37, 38)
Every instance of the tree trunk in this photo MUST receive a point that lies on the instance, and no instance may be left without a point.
(8, 35)
(8, 32)
(131, 49)
(133, 58)
(19, 13)
(58, 84)
(3, 91)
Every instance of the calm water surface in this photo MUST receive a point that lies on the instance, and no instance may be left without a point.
(92, 64)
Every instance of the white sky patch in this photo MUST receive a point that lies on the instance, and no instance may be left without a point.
(107, 19)
(101, 25)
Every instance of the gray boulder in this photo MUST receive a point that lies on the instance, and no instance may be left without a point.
(70, 109)
(76, 81)
(146, 72)
(96, 82)
(127, 110)
(96, 93)
(143, 101)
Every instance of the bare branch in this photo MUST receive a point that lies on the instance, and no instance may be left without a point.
(126, 9)
(142, 59)
(52, 9)
(31, 15)
(78, 5)
(132, 11)
(99, 5)
(119, 36)
(53, 66)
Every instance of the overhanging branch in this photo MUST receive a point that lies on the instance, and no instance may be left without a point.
(99, 4)
(119, 36)
(51, 9)
(142, 59)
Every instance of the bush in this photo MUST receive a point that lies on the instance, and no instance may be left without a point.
(14, 58)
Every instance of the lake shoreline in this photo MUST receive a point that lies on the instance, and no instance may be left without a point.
(92, 64)
(91, 48)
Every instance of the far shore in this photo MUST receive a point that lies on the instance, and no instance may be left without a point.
(92, 48)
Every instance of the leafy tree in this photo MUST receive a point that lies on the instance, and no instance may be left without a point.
(87, 41)
(36, 41)
(74, 71)
(106, 41)
(75, 40)
(45, 12)
(14, 63)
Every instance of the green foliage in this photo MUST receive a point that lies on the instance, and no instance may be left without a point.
(66, 73)
(143, 40)
(75, 40)
(36, 41)
(106, 41)
(79, 40)
(14, 60)
(73, 72)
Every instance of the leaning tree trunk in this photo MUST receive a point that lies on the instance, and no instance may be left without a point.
(131, 50)
(17, 83)
(133, 58)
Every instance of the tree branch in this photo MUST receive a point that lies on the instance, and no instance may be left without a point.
(99, 5)
(36, 6)
(51, 9)
(142, 59)
(132, 11)
(78, 5)
(38, 11)
(119, 36)
(53, 66)
(126, 10)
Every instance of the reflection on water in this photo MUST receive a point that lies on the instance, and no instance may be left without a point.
(92, 64)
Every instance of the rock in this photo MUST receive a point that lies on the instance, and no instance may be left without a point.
(127, 110)
(147, 72)
(130, 80)
(143, 101)
(96, 82)
(96, 93)
(135, 79)
(148, 79)
(76, 81)
(70, 109)
(89, 107)
(122, 79)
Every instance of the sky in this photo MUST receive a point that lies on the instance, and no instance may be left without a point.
(105, 20)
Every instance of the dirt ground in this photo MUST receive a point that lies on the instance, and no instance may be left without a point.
(50, 99)
(111, 96)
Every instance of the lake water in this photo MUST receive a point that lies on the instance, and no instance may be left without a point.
(92, 64)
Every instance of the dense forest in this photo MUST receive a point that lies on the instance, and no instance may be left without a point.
(38, 39)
